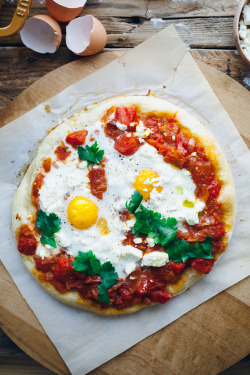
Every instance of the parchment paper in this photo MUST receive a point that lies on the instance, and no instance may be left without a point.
(88, 340)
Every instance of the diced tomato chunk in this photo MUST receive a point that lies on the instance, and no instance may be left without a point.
(77, 138)
(202, 265)
(125, 115)
(143, 287)
(63, 268)
(59, 285)
(45, 264)
(27, 242)
(127, 145)
(98, 182)
(159, 296)
(111, 130)
(151, 122)
(93, 279)
(177, 267)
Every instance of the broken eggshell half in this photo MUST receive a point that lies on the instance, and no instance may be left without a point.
(65, 10)
(85, 36)
(42, 34)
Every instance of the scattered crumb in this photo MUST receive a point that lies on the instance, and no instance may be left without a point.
(47, 108)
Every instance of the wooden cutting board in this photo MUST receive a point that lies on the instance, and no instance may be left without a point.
(206, 340)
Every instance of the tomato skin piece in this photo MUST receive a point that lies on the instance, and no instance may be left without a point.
(77, 138)
(45, 264)
(127, 145)
(177, 267)
(27, 243)
(125, 115)
(98, 182)
(63, 268)
(202, 265)
(159, 296)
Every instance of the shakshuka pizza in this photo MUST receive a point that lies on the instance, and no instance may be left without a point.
(125, 205)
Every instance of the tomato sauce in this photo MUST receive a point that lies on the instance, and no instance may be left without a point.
(62, 152)
(27, 242)
(47, 164)
(144, 285)
(39, 180)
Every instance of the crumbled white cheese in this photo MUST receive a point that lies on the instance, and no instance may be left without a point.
(150, 242)
(121, 126)
(137, 240)
(130, 256)
(142, 131)
(155, 259)
(173, 137)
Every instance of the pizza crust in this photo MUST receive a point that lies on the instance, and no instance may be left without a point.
(23, 206)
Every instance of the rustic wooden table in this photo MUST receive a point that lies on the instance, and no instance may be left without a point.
(206, 27)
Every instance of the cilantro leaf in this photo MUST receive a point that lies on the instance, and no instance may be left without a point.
(163, 231)
(109, 278)
(92, 154)
(108, 275)
(172, 250)
(185, 250)
(167, 231)
(87, 263)
(103, 294)
(48, 225)
(48, 241)
(135, 201)
(204, 250)
(181, 251)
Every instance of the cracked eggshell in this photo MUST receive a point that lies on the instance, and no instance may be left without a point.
(65, 10)
(85, 36)
(42, 34)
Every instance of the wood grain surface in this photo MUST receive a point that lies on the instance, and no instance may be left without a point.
(215, 346)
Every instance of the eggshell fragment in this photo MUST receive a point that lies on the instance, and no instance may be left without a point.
(85, 36)
(65, 10)
(42, 34)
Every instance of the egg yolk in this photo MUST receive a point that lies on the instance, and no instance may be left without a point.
(145, 182)
(82, 213)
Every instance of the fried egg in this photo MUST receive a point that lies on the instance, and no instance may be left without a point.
(89, 223)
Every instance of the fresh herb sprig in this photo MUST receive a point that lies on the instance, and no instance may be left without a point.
(134, 202)
(92, 154)
(180, 251)
(90, 265)
(149, 222)
(164, 232)
(48, 225)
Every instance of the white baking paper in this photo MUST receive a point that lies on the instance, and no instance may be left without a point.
(88, 340)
